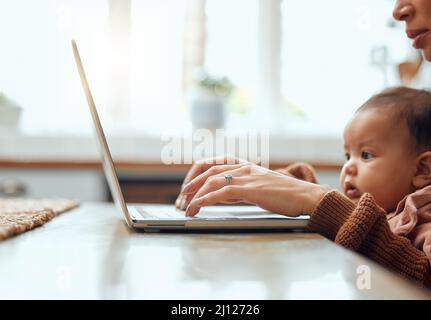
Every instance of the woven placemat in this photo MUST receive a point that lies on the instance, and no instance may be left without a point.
(18, 215)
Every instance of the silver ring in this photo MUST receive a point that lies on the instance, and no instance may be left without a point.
(228, 177)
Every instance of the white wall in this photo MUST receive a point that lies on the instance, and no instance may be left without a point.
(81, 185)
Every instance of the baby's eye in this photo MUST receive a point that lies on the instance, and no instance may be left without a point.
(366, 155)
(347, 156)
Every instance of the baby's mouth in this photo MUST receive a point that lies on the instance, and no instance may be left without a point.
(351, 191)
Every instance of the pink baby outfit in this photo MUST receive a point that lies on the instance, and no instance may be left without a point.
(412, 219)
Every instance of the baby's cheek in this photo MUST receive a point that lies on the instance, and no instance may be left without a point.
(385, 200)
(341, 178)
(388, 192)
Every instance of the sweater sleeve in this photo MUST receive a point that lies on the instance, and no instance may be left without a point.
(300, 170)
(364, 228)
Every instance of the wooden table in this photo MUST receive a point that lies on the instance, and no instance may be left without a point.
(89, 253)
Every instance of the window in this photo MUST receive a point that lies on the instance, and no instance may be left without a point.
(36, 61)
(335, 55)
(132, 54)
(232, 44)
(156, 68)
(297, 63)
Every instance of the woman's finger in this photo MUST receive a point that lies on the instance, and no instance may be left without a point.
(212, 183)
(178, 202)
(203, 165)
(198, 181)
(217, 182)
(200, 167)
(226, 194)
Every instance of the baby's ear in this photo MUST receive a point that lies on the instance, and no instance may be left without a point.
(422, 177)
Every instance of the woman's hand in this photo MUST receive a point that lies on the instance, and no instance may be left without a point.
(251, 183)
(201, 166)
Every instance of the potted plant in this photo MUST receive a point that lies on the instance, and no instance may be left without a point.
(208, 101)
(9, 113)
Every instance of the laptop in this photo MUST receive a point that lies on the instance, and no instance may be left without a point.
(159, 217)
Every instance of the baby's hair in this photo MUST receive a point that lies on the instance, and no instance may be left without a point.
(410, 105)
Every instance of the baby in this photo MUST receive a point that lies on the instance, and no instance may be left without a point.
(388, 154)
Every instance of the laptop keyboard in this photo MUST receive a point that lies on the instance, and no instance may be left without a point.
(157, 213)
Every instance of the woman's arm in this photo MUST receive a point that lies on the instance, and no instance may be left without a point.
(252, 184)
(364, 228)
(300, 170)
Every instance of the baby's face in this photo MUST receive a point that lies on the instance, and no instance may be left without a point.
(380, 159)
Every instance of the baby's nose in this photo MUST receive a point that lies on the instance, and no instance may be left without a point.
(351, 168)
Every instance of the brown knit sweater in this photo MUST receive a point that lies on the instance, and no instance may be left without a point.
(363, 227)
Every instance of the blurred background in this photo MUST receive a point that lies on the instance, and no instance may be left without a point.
(297, 68)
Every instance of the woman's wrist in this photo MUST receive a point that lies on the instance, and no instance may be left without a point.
(314, 196)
